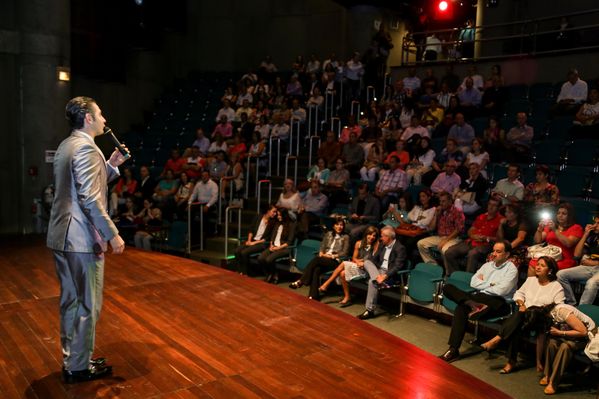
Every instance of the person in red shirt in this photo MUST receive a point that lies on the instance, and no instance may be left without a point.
(175, 163)
(401, 153)
(194, 164)
(481, 237)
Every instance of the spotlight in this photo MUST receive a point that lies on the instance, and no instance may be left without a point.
(443, 6)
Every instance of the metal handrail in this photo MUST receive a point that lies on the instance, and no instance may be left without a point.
(230, 208)
(189, 206)
(264, 181)
(294, 158)
(310, 150)
(247, 178)
(355, 109)
(338, 120)
(370, 94)
(312, 121)
(270, 151)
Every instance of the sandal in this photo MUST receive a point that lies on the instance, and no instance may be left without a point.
(507, 369)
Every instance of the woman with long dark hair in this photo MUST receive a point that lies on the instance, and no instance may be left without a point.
(348, 270)
(540, 290)
(257, 240)
(281, 239)
(334, 246)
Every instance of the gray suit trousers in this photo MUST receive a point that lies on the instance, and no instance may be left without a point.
(373, 292)
(81, 277)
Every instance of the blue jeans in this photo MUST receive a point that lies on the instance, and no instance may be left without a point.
(587, 274)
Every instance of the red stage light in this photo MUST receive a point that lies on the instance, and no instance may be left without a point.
(443, 6)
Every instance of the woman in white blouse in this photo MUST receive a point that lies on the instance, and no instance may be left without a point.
(539, 290)
(290, 199)
(478, 155)
(421, 162)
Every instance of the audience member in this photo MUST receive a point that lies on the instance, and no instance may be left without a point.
(353, 155)
(195, 163)
(330, 150)
(493, 284)
(290, 199)
(568, 334)
(540, 289)
(202, 142)
(586, 122)
(472, 190)
(226, 111)
(313, 206)
(447, 181)
(218, 145)
(518, 140)
(448, 224)
(364, 210)
(333, 248)
(514, 230)
(541, 194)
(391, 184)
(146, 184)
(373, 161)
(354, 268)
(175, 163)
(401, 154)
(510, 189)
(152, 227)
(125, 187)
(382, 268)
(183, 194)
(478, 244)
(478, 155)
(282, 237)
(338, 183)
(257, 239)
(351, 127)
(571, 95)
(462, 132)
(421, 162)
(562, 233)
(494, 138)
(587, 273)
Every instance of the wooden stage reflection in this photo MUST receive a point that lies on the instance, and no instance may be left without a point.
(175, 328)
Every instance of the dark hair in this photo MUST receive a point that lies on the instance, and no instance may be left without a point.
(429, 193)
(544, 169)
(514, 165)
(536, 318)
(267, 207)
(552, 265)
(76, 110)
(369, 230)
(507, 246)
(571, 213)
(339, 219)
(514, 208)
(419, 151)
(364, 186)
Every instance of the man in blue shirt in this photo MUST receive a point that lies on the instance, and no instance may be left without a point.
(494, 282)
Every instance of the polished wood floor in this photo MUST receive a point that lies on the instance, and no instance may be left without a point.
(175, 328)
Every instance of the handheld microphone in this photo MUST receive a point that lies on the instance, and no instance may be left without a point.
(117, 143)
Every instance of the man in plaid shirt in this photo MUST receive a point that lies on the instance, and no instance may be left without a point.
(449, 223)
(391, 184)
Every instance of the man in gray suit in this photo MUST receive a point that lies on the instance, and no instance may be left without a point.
(382, 268)
(78, 232)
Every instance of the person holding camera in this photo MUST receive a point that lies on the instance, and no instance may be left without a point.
(563, 233)
(587, 250)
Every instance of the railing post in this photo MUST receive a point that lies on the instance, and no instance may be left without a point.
(370, 94)
(220, 199)
(337, 121)
(229, 208)
(247, 179)
(258, 196)
(353, 111)
(310, 150)
(189, 206)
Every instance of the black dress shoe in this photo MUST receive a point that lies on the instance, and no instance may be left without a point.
(98, 361)
(368, 314)
(93, 373)
(450, 356)
(296, 284)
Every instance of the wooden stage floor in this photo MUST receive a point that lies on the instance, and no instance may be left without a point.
(175, 328)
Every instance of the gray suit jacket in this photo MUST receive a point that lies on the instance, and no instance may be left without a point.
(79, 221)
(341, 246)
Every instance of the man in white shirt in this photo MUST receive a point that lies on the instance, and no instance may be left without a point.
(494, 282)
(382, 268)
(573, 93)
(205, 192)
(226, 111)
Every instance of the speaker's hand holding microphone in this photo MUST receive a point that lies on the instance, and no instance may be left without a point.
(121, 153)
